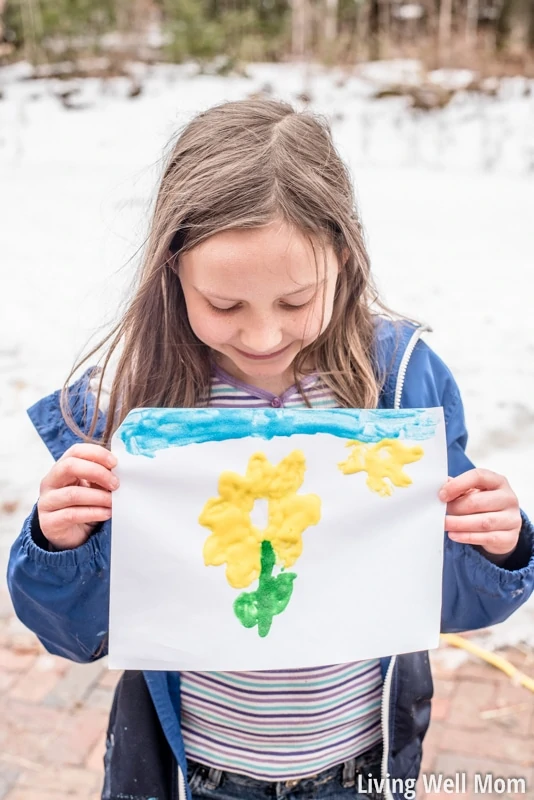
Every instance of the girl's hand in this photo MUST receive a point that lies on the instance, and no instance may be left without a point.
(76, 495)
(482, 510)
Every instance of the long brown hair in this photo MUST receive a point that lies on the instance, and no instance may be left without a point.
(240, 165)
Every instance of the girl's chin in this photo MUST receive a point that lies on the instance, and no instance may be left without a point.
(243, 367)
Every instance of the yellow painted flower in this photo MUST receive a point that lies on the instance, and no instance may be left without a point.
(383, 460)
(235, 540)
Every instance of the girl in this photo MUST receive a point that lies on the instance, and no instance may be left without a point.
(256, 291)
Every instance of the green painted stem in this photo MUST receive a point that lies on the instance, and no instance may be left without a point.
(270, 598)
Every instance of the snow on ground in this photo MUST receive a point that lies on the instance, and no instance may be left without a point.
(447, 202)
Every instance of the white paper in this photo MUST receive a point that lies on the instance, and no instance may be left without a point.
(368, 580)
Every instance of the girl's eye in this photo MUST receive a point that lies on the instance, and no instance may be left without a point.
(237, 306)
(223, 310)
(290, 307)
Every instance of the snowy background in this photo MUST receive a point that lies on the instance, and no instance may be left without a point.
(446, 197)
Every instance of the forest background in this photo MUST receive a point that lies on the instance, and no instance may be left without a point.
(493, 36)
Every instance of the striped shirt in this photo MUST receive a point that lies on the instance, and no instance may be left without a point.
(280, 724)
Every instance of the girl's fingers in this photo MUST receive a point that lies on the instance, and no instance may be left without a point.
(91, 452)
(482, 510)
(482, 479)
(507, 520)
(72, 470)
(58, 521)
(497, 542)
(70, 496)
(479, 502)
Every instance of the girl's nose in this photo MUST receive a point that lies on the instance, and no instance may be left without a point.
(261, 338)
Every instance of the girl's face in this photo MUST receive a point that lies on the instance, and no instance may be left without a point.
(256, 297)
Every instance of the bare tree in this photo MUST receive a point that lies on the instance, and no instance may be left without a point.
(445, 30)
(32, 25)
(300, 27)
(471, 22)
(373, 24)
(330, 22)
(530, 29)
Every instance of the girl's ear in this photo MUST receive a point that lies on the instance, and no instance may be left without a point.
(345, 255)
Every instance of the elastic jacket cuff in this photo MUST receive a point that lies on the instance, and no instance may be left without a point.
(39, 550)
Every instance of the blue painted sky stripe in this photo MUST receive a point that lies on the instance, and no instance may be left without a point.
(146, 431)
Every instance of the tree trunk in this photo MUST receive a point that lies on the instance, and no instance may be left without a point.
(374, 30)
(384, 27)
(32, 30)
(530, 29)
(471, 22)
(330, 22)
(504, 25)
(300, 24)
(2, 9)
(444, 31)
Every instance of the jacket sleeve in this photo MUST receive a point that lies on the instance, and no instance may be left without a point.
(63, 597)
(476, 592)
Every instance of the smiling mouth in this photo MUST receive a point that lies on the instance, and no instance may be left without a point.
(262, 357)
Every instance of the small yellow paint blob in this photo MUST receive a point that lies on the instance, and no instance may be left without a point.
(235, 540)
(382, 461)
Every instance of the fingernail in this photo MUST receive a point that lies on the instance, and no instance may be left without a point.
(115, 482)
(442, 494)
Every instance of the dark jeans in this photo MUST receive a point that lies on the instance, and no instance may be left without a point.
(338, 783)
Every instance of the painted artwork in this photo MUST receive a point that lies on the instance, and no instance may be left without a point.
(270, 539)
(251, 553)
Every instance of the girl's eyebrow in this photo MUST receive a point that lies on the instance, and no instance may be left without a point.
(287, 294)
(315, 285)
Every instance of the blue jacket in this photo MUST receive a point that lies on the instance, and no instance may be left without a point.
(63, 596)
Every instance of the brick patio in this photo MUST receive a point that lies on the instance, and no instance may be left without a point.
(482, 723)
(53, 716)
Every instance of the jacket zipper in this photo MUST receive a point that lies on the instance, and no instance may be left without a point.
(182, 794)
(401, 375)
(386, 691)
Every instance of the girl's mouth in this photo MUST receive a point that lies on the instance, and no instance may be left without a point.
(266, 357)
